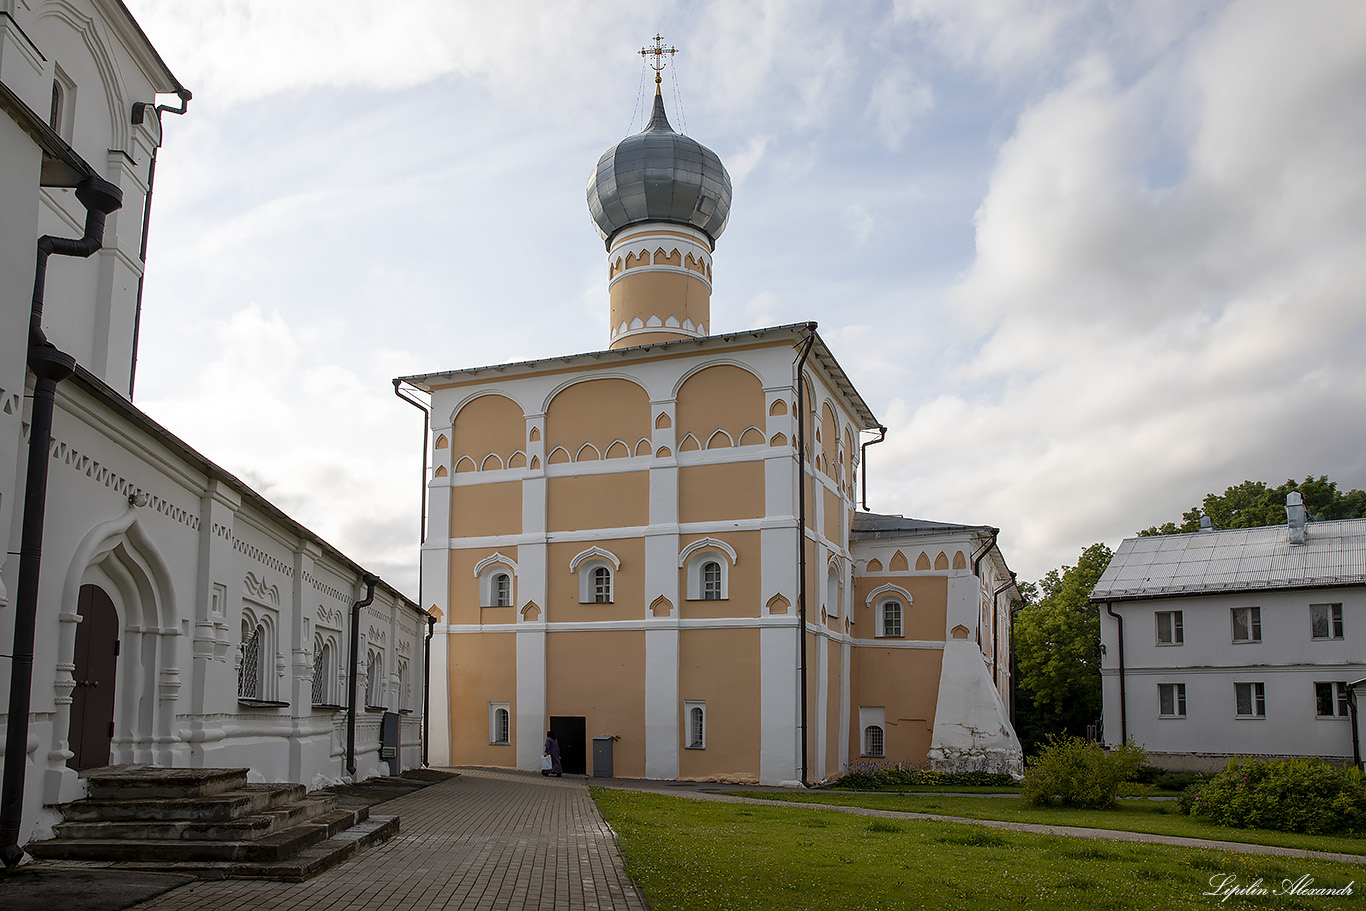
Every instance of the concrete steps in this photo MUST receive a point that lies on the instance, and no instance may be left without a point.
(210, 821)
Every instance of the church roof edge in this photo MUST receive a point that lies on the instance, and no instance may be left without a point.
(820, 354)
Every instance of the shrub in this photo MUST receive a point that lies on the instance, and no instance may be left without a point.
(1290, 795)
(1068, 771)
(871, 775)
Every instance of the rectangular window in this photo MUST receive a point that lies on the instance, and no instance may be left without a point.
(695, 717)
(500, 723)
(1251, 699)
(1170, 628)
(1326, 620)
(1171, 700)
(1330, 700)
(1247, 624)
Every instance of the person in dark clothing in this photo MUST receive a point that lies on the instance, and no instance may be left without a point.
(552, 749)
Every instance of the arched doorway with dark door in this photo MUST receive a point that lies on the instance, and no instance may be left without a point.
(96, 665)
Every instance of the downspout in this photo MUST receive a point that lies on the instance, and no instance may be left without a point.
(427, 687)
(1123, 711)
(139, 112)
(1014, 663)
(1352, 710)
(863, 461)
(370, 581)
(422, 539)
(50, 366)
(801, 534)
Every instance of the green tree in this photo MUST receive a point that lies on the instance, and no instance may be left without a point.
(1057, 652)
(1252, 504)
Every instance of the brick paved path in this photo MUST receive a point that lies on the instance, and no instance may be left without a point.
(487, 841)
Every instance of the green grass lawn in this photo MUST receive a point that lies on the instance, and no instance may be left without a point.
(1159, 817)
(688, 855)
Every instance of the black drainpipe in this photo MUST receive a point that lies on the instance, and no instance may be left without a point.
(422, 539)
(139, 112)
(370, 581)
(863, 461)
(1123, 709)
(1352, 710)
(1014, 664)
(427, 688)
(801, 531)
(50, 367)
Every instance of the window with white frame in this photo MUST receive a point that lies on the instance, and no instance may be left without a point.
(711, 581)
(255, 677)
(596, 569)
(497, 575)
(872, 720)
(1171, 700)
(374, 671)
(1170, 627)
(500, 724)
(1250, 699)
(873, 741)
(832, 591)
(602, 585)
(889, 618)
(1325, 620)
(1247, 624)
(695, 717)
(324, 673)
(706, 564)
(405, 686)
(1331, 700)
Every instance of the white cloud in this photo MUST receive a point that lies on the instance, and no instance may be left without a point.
(322, 441)
(1145, 346)
(898, 99)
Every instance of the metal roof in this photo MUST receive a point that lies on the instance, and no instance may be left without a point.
(659, 175)
(1236, 559)
(871, 525)
(820, 354)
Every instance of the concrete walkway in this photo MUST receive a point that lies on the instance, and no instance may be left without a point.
(487, 841)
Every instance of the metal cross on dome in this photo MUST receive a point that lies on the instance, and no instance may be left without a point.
(661, 55)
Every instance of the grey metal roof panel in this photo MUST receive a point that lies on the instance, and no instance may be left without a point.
(1240, 559)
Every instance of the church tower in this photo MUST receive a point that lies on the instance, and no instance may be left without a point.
(660, 200)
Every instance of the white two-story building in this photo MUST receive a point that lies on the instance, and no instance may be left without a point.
(1238, 642)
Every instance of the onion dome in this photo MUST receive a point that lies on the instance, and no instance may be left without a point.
(659, 175)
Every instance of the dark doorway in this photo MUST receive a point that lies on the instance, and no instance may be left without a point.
(97, 657)
(570, 731)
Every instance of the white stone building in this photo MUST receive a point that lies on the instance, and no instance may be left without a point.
(1241, 642)
(177, 617)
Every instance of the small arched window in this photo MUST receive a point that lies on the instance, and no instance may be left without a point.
(322, 673)
(711, 581)
(832, 592)
(54, 117)
(500, 723)
(873, 743)
(497, 576)
(890, 619)
(695, 717)
(249, 674)
(602, 585)
(706, 564)
(373, 669)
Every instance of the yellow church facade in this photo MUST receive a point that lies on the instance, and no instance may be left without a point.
(613, 540)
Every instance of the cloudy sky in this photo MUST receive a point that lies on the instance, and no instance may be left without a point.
(1087, 260)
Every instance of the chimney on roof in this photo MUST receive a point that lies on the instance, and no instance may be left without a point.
(1294, 515)
(1206, 523)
